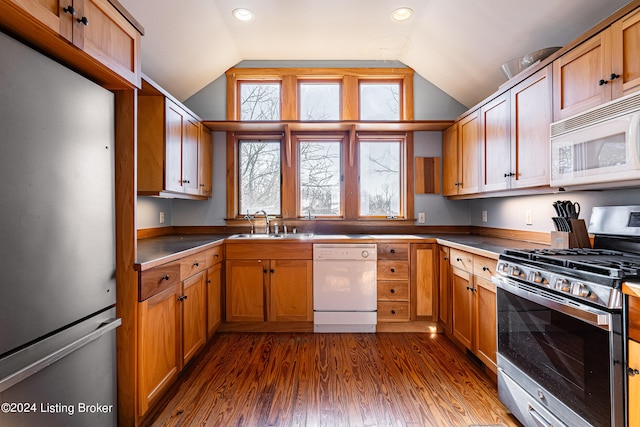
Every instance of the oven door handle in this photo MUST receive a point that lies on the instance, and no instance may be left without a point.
(538, 419)
(587, 314)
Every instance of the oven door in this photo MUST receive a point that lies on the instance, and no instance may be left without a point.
(565, 355)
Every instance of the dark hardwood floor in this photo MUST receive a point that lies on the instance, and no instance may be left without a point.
(305, 379)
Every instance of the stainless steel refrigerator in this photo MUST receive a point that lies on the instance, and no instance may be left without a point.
(57, 244)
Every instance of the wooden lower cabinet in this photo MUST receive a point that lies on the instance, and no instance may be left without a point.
(158, 346)
(444, 289)
(633, 397)
(473, 305)
(269, 290)
(214, 298)
(393, 286)
(423, 261)
(194, 315)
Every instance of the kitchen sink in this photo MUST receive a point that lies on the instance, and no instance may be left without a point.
(263, 236)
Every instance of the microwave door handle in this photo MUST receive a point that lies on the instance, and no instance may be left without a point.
(634, 137)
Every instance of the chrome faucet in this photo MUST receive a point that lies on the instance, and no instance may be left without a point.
(248, 218)
(266, 219)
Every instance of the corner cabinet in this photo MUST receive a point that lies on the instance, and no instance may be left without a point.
(268, 281)
(460, 152)
(93, 26)
(605, 67)
(174, 153)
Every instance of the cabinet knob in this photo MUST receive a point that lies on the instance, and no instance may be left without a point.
(393, 270)
(602, 82)
(506, 175)
(632, 372)
(216, 255)
(165, 277)
(459, 259)
(182, 298)
(614, 76)
(485, 268)
(393, 312)
(84, 21)
(195, 264)
(70, 10)
(393, 251)
(208, 282)
(264, 271)
(393, 291)
(446, 258)
(272, 270)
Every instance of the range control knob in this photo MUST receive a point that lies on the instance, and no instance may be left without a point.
(536, 277)
(515, 271)
(563, 285)
(503, 267)
(581, 290)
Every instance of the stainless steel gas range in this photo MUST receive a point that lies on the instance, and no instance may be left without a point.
(562, 327)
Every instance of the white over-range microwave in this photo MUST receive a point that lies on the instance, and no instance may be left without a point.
(599, 146)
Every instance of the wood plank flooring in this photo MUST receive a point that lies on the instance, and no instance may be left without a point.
(306, 379)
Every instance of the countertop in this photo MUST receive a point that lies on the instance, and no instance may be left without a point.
(155, 251)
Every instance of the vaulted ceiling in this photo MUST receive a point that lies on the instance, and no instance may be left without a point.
(458, 45)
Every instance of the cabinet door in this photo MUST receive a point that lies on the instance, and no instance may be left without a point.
(462, 308)
(245, 294)
(485, 321)
(450, 178)
(173, 147)
(194, 315)
(576, 77)
(423, 281)
(214, 299)
(108, 37)
(633, 399)
(496, 144)
(190, 138)
(625, 55)
(469, 139)
(205, 161)
(51, 13)
(530, 121)
(291, 296)
(158, 346)
(444, 289)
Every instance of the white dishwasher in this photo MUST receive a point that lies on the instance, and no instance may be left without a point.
(345, 287)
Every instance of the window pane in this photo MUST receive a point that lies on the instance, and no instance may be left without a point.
(319, 101)
(380, 178)
(259, 177)
(259, 101)
(320, 178)
(379, 101)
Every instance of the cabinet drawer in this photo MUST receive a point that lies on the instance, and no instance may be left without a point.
(396, 290)
(461, 259)
(393, 270)
(484, 267)
(393, 311)
(214, 255)
(634, 318)
(158, 279)
(399, 251)
(192, 264)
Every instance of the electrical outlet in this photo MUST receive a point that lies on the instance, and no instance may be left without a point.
(421, 217)
(161, 217)
(484, 216)
(529, 217)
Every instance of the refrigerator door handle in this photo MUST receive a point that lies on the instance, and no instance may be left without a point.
(35, 367)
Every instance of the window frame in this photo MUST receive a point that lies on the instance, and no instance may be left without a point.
(401, 94)
(256, 81)
(300, 81)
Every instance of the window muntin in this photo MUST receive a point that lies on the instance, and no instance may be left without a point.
(259, 172)
(259, 100)
(319, 101)
(380, 100)
(319, 178)
(380, 178)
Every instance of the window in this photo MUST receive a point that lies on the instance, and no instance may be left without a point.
(319, 101)
(319, 178)
(380, 178)
(259, 101)
(380, 101)
(259, 171)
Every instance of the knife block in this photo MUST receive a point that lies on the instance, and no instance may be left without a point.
(577, 238)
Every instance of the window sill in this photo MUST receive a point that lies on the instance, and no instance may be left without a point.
(333, 126)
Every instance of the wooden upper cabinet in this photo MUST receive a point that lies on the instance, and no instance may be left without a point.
(530, 138)
(496, 144)
(450, 177)
(94, 26)
(469, 151)
(602, 68)
(205, 161)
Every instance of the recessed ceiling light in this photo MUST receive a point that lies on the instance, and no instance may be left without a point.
(242, 14)
(401, 14)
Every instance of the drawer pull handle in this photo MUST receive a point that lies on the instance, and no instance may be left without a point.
(165, 277)
(459, 259)
(216, 255)
(393, 291)
(195, 264)
(393, 270)
(208, 282)
(182, 298)
(70, 10)
(393, 251)
(393, 312)
(485, 268)
(84, 21)
(632, 372)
